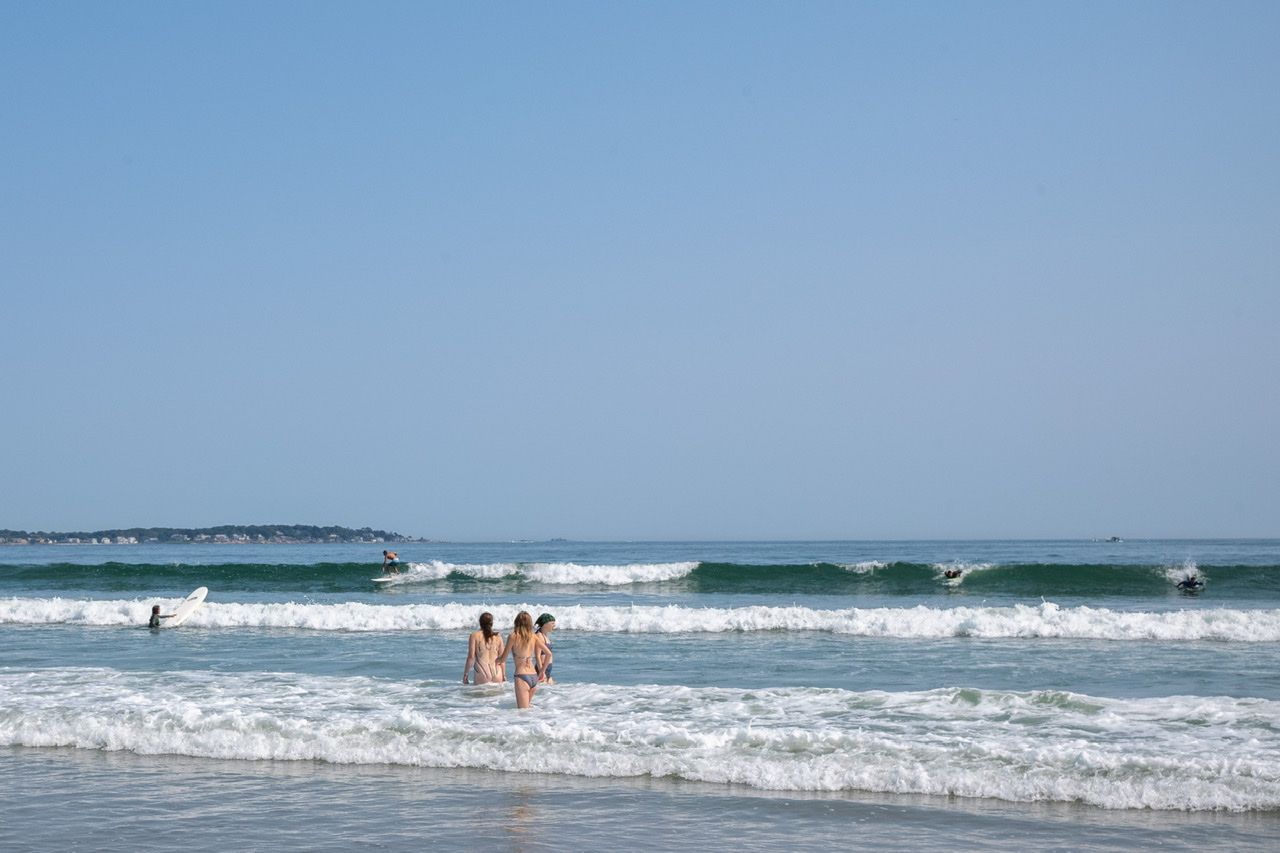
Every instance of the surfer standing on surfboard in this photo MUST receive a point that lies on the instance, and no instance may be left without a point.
(390, 562)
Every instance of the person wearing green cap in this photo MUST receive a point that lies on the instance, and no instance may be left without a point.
(546, 624)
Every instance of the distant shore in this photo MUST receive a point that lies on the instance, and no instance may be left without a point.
(227, 534)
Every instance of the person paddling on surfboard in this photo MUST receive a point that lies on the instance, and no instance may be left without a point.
(390, 562)
(156, 616)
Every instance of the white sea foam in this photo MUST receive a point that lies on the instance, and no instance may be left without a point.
(1177, 574)
(547, 573)
(1177, 752)
(1046, 620)
(572, 573)
(438, 570)
(865, 567)
(964, 569)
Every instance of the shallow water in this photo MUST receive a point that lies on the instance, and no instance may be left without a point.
(120, 802)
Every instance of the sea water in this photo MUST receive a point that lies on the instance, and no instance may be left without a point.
(713, 695)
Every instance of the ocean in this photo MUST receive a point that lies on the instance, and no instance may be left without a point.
(712, 695)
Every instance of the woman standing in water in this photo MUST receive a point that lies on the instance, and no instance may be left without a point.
(546, 624)
(531, 654)
(482, 653)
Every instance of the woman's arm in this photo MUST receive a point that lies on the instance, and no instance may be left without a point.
(544, 651)
(471, 657)
(506, 650)
(542, 657)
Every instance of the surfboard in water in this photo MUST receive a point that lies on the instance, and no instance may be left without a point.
(188, 606)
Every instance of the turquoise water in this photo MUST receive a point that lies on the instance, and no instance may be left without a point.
(797, 694)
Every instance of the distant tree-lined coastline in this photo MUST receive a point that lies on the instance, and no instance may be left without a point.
(224, 533)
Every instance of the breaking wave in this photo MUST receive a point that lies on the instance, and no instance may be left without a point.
(1043, 621)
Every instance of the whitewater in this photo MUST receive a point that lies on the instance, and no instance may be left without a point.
(1171, 753)
(1045, 620)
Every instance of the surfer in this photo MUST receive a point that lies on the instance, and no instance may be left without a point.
(390, 562)
(156, 616)
(951, 573)
(1190, 582)
(482, 650)
(531, 654)
(546, 624)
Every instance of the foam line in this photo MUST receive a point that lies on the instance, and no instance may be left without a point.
(1180, 752)
(1043, 621)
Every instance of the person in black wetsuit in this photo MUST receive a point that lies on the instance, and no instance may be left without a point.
(156, 616)
(1190, 582)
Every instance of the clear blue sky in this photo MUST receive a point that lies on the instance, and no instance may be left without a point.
(646, 270)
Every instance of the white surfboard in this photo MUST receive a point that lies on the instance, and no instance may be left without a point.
(384, 579)
(189, 605)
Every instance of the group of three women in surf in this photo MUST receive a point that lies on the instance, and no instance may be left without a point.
(487, 654)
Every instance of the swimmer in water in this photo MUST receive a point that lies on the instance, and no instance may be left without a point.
(156, 616)
(546, 624)
(531, 654)
(482, 652)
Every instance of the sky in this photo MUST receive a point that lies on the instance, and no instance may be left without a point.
(648, 270)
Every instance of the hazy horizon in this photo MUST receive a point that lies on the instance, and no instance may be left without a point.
(424, 538)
